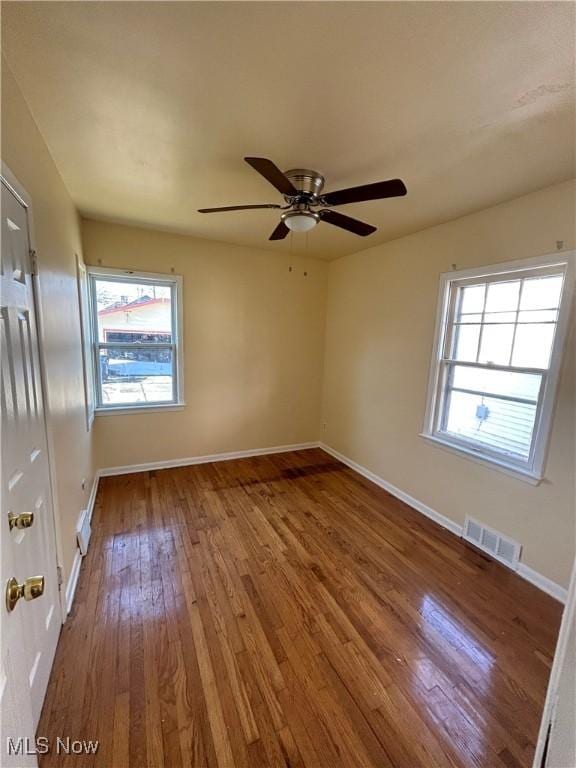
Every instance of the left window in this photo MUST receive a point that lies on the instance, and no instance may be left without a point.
(136, 339)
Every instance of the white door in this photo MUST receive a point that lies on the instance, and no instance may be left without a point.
(29, 632)
(556, 746)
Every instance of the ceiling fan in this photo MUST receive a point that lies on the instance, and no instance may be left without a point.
(302, 191)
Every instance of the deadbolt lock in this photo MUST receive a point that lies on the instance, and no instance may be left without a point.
(22, 520)
(32, 588)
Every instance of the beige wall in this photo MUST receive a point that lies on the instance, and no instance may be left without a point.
(58, 241)
(253, 347)
(380, 323)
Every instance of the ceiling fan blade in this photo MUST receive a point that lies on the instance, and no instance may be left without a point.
(272, 174)
(346, 222)
(237, 208)
(280, 232)
(377, 191)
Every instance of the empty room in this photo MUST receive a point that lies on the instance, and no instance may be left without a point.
(288, 393)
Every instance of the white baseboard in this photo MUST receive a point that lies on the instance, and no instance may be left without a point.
(73, 581)
(131, 468)
(540, 581)
(442, 520)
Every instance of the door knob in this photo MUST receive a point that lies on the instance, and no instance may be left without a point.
(22, 520)
(32, 588)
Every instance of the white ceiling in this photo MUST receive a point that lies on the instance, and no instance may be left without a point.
(149, 107)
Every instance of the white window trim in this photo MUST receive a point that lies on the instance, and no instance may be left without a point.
(84, 304)
(533, 472)
(178, 324)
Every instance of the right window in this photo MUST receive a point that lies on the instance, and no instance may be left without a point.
(497, 355)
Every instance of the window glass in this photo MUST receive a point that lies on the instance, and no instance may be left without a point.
(472, 299)
(136, 375)
(499, 424)
(132, 307)
(496, 345)
(135, 344)
(492, 388)
(502, 297)
(533, 345)
(541, 292)
(494, 382)
(467, 340)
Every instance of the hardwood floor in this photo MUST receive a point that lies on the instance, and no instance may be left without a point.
(283, 611)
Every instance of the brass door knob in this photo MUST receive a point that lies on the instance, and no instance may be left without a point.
(32, 588)
(22, 520)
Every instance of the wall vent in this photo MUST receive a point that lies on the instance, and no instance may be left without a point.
(501, 548)
(83, 532)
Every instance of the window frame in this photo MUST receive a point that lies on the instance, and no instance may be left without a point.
(174, 282)
(84, 306)
(531, 470)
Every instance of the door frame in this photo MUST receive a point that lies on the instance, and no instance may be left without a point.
(17, 189)
(554, 680)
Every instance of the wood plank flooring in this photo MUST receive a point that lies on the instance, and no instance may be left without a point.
(282, 611)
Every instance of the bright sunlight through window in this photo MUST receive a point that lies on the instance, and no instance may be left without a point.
(135, 339)
(497, 356)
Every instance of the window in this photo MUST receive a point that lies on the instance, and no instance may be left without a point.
(136, 339)
(497, 355)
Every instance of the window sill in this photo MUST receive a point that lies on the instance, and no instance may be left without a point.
(500, 465)
(132, 409)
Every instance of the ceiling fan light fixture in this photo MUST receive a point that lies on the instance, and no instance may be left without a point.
(300, 221)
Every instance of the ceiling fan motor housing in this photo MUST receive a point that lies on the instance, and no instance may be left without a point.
(308, 183)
